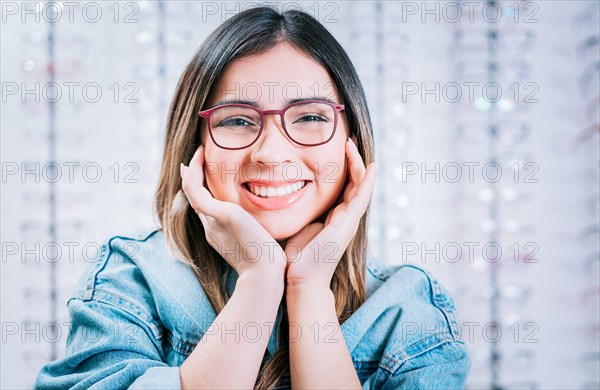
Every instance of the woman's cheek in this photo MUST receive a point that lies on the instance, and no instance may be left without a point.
(212, 176)
(212, 188)
(332, 178)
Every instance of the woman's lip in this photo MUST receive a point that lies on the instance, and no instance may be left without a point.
(278, 202)
(274, 184)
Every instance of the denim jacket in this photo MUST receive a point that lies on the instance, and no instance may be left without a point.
(137, 314)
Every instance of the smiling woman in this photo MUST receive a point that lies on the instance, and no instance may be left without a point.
(271, 142)
(259, 276)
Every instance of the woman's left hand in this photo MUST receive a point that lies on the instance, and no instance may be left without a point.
(315, 251)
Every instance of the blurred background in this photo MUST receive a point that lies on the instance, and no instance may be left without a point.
(486, 120)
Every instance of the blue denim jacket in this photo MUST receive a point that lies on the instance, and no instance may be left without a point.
(138, 313)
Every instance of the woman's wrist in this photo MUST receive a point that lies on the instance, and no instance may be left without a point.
(308, 291)
(314, 284)
(270, 281)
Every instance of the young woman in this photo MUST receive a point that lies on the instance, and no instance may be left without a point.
(258, 276)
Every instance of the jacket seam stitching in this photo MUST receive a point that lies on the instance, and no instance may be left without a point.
(103, 260)
(398, 362)
(180, 345)
(374, 270)
(448, 314)
(105, 296)
(141, 323)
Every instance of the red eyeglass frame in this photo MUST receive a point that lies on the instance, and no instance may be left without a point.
(337, 108)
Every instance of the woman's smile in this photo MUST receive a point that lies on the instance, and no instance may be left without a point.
(303, 182)
(276, 195)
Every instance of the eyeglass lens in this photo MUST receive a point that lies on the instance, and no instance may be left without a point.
(239, 126)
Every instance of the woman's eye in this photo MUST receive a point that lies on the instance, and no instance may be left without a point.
(236, 122)
(312, 118)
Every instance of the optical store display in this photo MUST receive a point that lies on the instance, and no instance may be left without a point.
(486, 118)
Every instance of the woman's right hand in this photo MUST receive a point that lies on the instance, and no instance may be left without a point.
(230, 230)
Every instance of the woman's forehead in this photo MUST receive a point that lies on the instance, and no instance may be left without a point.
(279, 75)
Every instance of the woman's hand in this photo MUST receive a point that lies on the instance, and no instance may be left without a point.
(230, 229)
(314, 252)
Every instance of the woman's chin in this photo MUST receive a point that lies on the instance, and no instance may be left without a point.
(280, 234)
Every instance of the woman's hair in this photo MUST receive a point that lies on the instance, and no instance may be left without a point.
(249, 33)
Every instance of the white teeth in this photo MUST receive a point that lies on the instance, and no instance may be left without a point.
(271, 192)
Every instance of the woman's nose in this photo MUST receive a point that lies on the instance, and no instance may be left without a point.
(273, 144)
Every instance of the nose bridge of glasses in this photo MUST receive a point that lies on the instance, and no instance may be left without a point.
(272, 137)
(277, 117)
(274, 114)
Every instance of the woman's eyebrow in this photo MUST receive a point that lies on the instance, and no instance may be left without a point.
(288, 101)
(321, 98)
(235, 101)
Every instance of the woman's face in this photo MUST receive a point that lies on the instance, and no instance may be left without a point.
(274, 161)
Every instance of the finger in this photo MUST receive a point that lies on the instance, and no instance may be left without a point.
(348, 190)
(325, 238)
(350, 181)
(182, 200)
(343, 220)
(329, 216)
(197, 169)
(193, 178)
(182, 196)
(358, 205)
(355, 171)
(330, 240)
(197, 161)
(356, 166)
(304, 236)
(199, 197)
(337, 216)
(352, 194)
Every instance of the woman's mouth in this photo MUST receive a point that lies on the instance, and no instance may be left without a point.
(274, 195)
(272, 192)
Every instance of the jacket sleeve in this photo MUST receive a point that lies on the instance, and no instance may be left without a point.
(108, 348)
(443, 367)
(116, 337)
(424, 349)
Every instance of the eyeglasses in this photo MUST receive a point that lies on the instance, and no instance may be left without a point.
(238, 126)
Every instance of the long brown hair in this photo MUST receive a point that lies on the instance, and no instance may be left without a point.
(248, 33)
